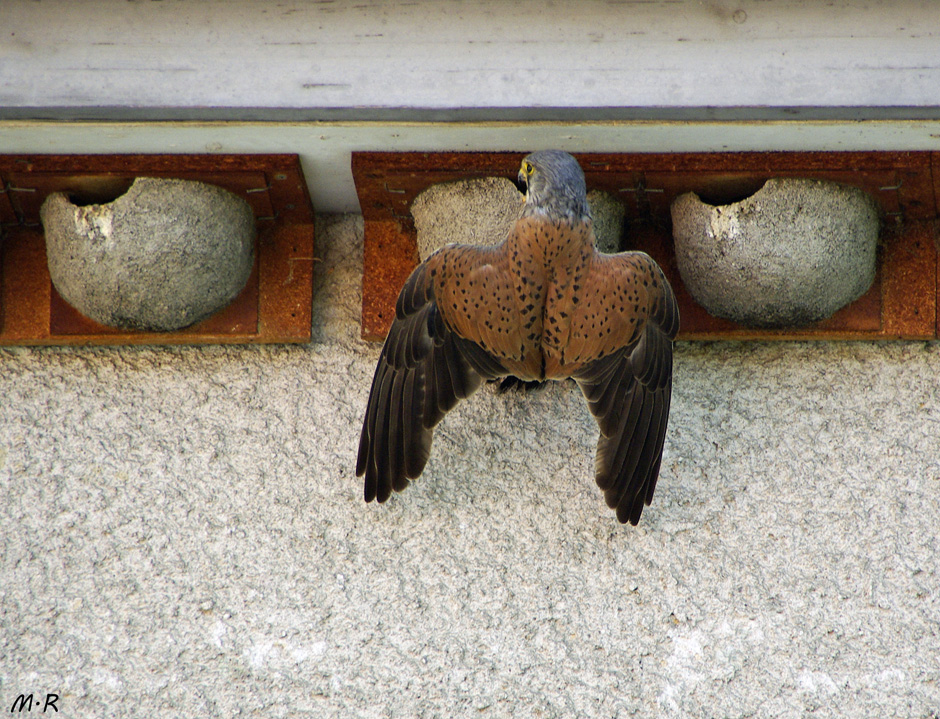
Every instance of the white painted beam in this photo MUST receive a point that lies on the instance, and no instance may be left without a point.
(325, 148)
(467, 54)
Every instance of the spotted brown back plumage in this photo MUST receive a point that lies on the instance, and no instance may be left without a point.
(542, 305)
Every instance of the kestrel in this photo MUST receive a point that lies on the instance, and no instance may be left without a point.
(542, 305)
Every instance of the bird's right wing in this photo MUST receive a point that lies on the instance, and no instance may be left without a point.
(628, 382)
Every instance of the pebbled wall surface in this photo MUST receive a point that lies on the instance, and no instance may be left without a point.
(181, 534)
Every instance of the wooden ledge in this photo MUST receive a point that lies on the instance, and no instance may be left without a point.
(275, 305)
(902, 302)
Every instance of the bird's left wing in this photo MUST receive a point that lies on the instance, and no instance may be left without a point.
(424, 368)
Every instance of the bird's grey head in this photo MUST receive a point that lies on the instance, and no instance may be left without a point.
(554, 184)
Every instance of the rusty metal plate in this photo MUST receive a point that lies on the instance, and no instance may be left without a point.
(902, 302)
(275, 305)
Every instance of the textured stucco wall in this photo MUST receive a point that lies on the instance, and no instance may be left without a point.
(181, 534)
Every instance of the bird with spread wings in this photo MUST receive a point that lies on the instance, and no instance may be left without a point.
(542, 305)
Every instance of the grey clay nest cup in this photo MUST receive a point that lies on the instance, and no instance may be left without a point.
(482, 212)
(163, 256)
(791, 254)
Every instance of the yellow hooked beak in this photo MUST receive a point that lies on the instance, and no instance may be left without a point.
(525, 172)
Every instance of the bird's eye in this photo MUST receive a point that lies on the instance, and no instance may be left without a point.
(527, 167)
